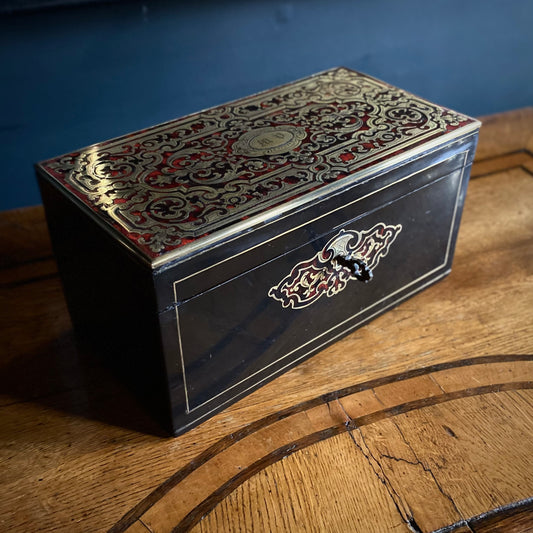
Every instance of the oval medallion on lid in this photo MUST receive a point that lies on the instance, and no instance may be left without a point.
(271, 140)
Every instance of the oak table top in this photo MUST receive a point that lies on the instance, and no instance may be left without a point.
(420, 421)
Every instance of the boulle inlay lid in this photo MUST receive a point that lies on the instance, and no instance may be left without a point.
(167, 187)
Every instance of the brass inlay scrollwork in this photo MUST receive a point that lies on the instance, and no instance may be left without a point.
(349, 255)
(169, 185)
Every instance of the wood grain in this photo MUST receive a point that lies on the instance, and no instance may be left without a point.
(232, 461)
(426, 462)
(78, 453)
(316, 495)
(485, 439)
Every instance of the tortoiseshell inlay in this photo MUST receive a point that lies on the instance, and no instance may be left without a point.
(172, 184)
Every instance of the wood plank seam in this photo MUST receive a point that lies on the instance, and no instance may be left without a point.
(429, 471)
(404, 511)
(145, 526)
(418, 461)
(281, 500)
(409, 518)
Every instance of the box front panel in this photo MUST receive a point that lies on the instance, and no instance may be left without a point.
(245, 331)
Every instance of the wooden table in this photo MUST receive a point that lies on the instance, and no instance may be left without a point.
(421, 420)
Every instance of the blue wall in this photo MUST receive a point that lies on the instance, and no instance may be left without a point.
(78, 75)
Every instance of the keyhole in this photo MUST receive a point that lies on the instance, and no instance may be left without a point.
(358, 268)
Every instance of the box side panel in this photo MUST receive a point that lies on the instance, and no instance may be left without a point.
(244, 332)
(111, 301)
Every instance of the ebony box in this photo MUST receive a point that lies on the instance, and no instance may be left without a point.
(207, 255)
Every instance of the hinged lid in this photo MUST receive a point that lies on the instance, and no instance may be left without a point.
(177, 187)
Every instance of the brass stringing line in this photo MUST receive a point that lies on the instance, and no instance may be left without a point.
(182, 363)
(316, 348)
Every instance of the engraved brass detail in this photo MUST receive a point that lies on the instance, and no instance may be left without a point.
(328, 272)
(269, 141)
(169, 185)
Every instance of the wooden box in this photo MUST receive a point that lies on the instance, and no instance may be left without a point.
(207, 255)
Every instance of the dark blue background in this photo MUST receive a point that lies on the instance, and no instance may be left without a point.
(73, 76)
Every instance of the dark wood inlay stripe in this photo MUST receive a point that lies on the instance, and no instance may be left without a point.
(131, 516)
(499, 170)
(18, 264)
(489, 166)
(222, 492)
(516, 517)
